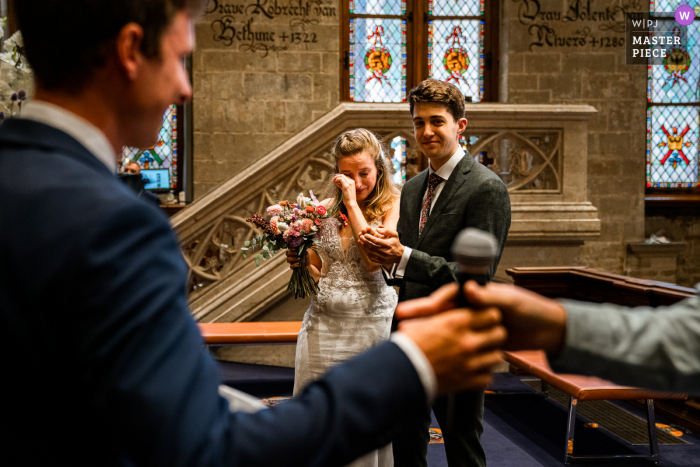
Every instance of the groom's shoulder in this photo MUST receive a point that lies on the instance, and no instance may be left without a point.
(485, 175)
(416, 180)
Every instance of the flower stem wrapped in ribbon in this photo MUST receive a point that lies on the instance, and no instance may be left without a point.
(291, 226)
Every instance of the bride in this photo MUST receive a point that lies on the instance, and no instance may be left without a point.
(353, 309)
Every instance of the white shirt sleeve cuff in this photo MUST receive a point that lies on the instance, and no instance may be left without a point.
(389, 273)
(401, 269)
(420, 363)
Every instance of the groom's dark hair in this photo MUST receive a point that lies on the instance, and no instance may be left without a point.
(66, 40)
(438, 92)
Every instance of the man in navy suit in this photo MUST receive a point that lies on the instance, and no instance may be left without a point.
(99, 370)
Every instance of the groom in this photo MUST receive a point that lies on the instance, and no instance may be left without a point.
(453, 194)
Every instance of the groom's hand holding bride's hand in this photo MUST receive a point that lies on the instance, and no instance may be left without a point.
(462, 346)
(382, 246)
(368, 231)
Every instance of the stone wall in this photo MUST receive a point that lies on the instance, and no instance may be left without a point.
(262, 71)
(571, 52)
(680, 228)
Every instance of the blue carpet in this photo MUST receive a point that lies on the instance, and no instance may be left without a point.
(258, 380)
(522, 432)
(531, 433)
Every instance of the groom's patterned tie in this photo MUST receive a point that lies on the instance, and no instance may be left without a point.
(433, 181)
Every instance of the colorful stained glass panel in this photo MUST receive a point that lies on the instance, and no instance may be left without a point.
(456, 55)
(397, 160)
(456, 7)
(377, 60)
(669, 6)
(378, 7)
(672, 147)
(677, 80)
(163, 155)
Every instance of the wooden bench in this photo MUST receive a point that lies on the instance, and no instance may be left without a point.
(250, 333)
(584, 388)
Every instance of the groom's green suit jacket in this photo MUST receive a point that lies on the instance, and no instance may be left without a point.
(473, 196)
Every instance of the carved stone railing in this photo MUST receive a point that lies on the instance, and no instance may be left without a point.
(538, 150)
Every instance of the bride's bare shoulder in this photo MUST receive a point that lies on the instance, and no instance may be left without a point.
(326, 202)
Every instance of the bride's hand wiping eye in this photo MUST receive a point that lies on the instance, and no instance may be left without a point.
(347, 186)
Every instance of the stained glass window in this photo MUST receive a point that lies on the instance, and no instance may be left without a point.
(669, 6)
(455, 52)
(444, 38)
(378, 7)
(377, 60)
(163, 154)
(397, 160)
(672, 139)
(456, 46)
(677, 80)
(673, 104)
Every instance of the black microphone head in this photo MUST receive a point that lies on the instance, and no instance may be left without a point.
(475, 250)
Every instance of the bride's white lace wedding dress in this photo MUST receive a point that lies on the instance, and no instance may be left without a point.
(351, 313)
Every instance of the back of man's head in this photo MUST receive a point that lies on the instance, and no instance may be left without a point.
(434, 91)
(66, 40)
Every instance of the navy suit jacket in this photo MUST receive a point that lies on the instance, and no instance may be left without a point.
(102, 362)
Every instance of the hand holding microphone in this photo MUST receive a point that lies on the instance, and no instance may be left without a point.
(480, 335)
(475, 251)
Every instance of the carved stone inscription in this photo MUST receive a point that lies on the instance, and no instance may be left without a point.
(254, 25)
(591, 24)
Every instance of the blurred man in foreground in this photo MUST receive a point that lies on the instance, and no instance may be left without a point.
(101, 369)
(656, 348)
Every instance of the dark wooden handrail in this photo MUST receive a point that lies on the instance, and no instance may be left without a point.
(591, 285)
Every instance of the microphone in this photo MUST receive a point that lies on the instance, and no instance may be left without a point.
(475, 251)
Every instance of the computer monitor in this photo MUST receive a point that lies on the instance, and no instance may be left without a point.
(158, 179)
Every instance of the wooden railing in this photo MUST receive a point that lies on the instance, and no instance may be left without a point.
(590, 285)
(597, 286)
(256, 333)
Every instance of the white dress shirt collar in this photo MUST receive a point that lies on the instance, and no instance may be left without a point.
(83, 131)
(446, 170)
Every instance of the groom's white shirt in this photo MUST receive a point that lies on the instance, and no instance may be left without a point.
(445, 171)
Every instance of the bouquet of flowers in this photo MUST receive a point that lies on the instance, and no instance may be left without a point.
(291, 226)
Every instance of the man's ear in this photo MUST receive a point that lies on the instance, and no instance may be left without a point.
(129, 49)
(461, 125)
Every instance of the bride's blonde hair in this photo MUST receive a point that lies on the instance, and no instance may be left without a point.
(351, 143)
